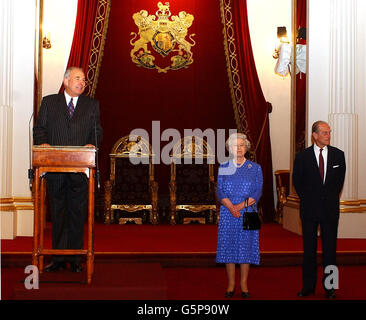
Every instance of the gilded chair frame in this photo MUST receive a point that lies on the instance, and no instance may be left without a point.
(281, 194)
(133, 147)
(189, 149)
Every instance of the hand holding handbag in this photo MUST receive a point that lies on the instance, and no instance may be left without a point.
(251, 219)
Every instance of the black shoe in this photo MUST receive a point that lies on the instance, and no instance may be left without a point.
(76, 267)
(55, 266)
(245, 295)
(330, 294)
(305, 293)
(229, 294)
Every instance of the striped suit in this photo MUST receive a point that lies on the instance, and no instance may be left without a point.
(68, 192)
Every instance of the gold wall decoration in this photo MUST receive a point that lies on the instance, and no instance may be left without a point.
(166, 36)
(97, 50)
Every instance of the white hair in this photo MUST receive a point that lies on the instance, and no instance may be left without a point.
(68, 72)
(236, 136)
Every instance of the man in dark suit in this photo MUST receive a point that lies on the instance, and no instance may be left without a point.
(68, 119)
(318, 177)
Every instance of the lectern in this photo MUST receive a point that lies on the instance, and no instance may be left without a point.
(62, 159)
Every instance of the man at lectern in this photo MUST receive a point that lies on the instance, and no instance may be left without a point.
(68, 119)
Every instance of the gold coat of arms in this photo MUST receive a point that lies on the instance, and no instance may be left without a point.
(165, 37)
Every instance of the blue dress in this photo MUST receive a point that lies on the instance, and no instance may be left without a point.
(235, 245)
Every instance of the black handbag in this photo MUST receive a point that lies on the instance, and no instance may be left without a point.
(251, 220)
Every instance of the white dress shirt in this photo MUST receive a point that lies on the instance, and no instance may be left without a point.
(68, 98)
(325, 157)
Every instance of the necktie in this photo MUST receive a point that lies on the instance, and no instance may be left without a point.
(71, 108)
(321, 165)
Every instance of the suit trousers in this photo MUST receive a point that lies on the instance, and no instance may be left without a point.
(328, 232)
(68, 202)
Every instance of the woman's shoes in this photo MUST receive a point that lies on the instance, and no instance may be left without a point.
(229, 294)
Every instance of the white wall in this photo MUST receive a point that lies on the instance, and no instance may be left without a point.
(59, 21)
(264, 16)
(6, 99)
(17, 42)
(318, 67)
(23, 68)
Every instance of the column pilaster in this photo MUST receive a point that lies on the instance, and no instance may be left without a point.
(342, 110)
(6, 99)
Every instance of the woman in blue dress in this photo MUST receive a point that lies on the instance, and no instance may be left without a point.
(239, 183)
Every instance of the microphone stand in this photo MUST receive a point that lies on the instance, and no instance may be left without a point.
(30, 170)
(97, 175)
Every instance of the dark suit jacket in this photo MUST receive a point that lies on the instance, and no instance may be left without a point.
(55, 127)
(318, 199)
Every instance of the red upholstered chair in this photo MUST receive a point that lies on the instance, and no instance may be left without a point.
(131, 193)
(192, 186)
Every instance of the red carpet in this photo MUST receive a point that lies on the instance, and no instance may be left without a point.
(265, 283)
(163, 262)
(110, 282)
(120, 239)
(152, 282)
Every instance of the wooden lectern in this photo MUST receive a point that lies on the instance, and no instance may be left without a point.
(62, 159)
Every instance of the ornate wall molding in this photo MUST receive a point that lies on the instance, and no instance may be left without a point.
(97, 49)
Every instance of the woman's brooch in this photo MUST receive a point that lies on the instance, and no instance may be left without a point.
(249, 166)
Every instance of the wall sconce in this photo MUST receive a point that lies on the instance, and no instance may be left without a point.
(281, 38)
(284, 52)
(46, 41)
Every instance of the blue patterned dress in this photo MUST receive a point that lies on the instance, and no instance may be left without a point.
(235, 245)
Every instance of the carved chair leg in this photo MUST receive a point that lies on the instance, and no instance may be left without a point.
(107, 201)
(154, 215)
(172, 215)
(151, 216)
(210, 216)
(217, 213)
(154, 199)
(112, 215)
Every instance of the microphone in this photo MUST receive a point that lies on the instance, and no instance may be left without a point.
(30, 170)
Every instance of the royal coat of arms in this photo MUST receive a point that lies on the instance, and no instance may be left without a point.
(167, 37)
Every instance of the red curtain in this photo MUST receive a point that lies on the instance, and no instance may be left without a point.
(301, 14)
(83, 36)
(132, 97)
(253, 117)
(196, 97)
(300, 84)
